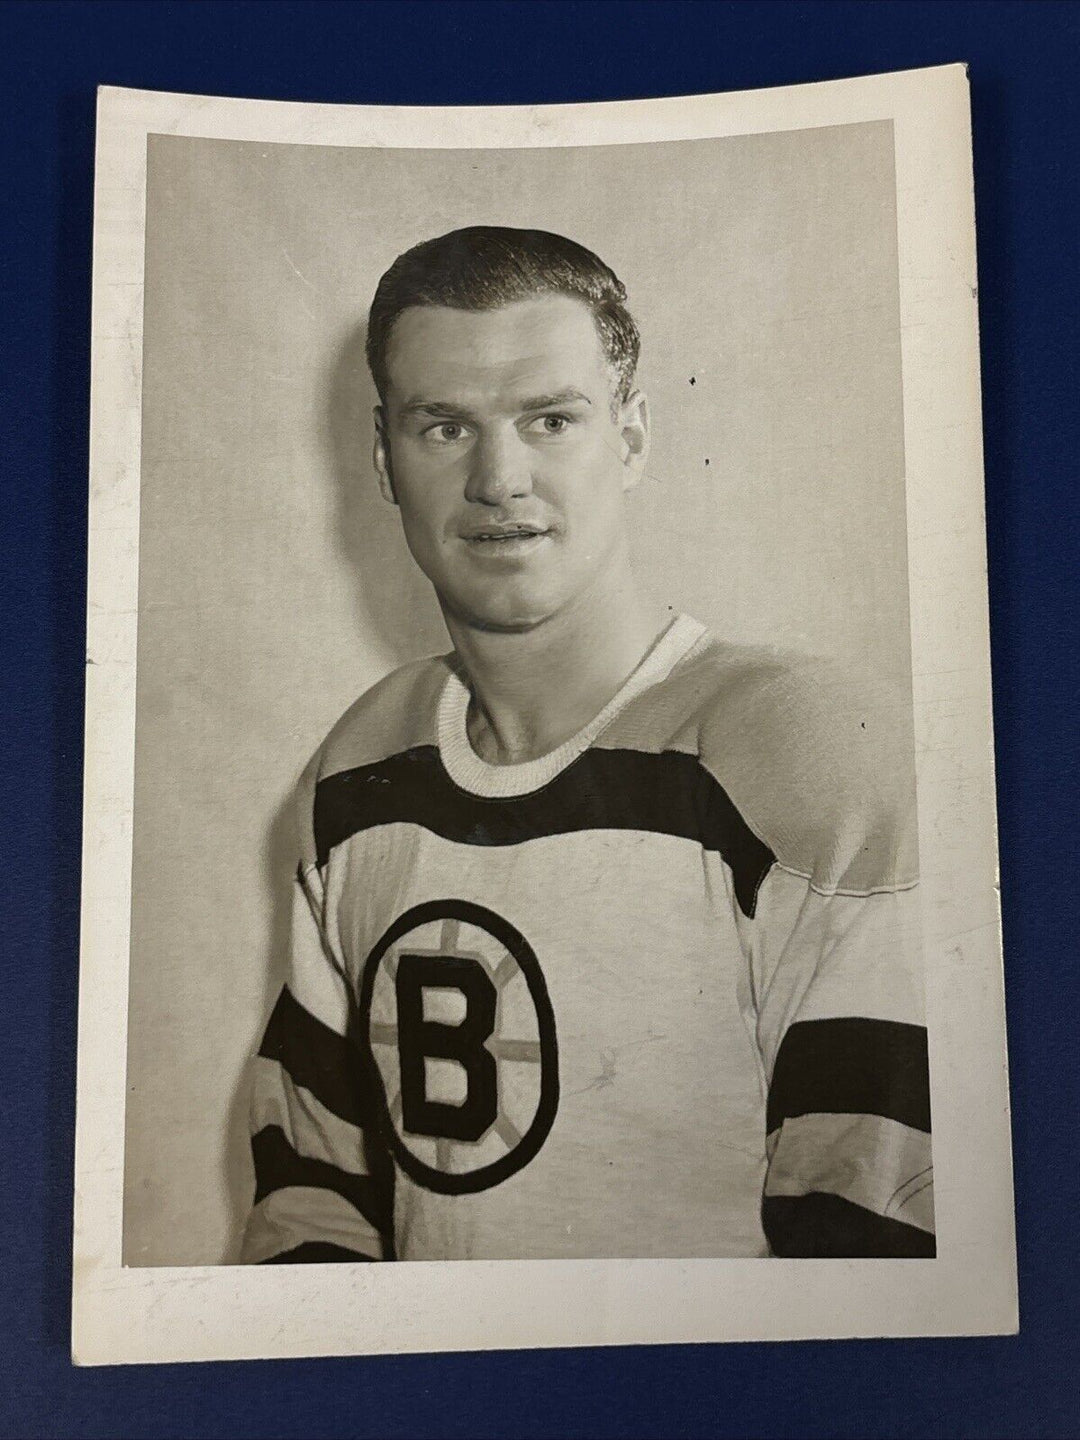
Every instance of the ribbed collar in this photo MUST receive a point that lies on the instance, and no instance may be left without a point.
(467, 770)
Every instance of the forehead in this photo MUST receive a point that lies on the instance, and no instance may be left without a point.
(532, 346)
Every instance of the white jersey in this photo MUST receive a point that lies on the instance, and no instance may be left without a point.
(657, 993)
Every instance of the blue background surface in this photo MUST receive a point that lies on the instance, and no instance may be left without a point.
(1024, 59)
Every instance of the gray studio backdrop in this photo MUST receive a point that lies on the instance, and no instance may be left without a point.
(275, 586)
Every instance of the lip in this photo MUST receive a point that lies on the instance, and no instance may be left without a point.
(500, 532)
(502, 543)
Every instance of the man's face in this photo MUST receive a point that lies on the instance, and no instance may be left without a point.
(502, 445)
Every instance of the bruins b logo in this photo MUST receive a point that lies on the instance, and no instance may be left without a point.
(459, 1039)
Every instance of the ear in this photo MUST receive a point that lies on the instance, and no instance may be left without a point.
(633, 422)
(380, 456)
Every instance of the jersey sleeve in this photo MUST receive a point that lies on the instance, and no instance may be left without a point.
(840, 1030)
(834, 942)
(323, 1190)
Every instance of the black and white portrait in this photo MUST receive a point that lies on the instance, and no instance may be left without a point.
(527, 794)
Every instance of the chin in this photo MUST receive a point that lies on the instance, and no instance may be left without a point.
(505, 614)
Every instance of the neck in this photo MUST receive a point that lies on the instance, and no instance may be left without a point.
(533, 689)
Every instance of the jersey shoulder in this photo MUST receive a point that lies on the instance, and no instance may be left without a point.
(396, 715)
(818, 761)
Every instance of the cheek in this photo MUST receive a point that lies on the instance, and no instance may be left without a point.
(423, 530)
(426, 500)
(584, 474)
(595, 511)
(591, 483)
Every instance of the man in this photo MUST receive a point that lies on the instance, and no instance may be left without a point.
(605, 937)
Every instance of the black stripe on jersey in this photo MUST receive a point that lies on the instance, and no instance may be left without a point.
(669, 793)
(317, 1252)
(828, 1226)
(278, 1166)
(315, 1057)
(852, 1066)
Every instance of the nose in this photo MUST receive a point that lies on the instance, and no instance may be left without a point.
(499, 469)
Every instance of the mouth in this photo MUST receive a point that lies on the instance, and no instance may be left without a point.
(496, 534)
(507, 542)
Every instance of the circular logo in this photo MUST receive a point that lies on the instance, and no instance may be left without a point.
(459, 1039)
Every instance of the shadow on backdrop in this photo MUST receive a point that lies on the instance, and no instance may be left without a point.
(396, 609)
(395, 603)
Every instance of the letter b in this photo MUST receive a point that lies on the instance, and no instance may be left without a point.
(420, 1039)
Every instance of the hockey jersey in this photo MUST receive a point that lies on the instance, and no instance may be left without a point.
(657, 993)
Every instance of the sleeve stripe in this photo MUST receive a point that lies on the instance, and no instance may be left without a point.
(827, 1226)
(300, 1215)
(316, 1058)
(852, 1066)
(311, 1129)
(316, 1252)
(279, 1167)
(879, 1164)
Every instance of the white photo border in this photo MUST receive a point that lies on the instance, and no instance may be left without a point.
(128, 1315)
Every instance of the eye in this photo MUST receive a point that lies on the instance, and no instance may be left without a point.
(552, 424)
(446, 432)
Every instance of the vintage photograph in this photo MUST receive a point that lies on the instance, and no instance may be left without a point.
(527, 824)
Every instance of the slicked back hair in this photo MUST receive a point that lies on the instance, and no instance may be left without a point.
(484, 267)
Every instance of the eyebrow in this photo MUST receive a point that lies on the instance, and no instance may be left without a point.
(531, 402)
(552, 402)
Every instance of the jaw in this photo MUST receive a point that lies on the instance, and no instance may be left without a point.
(506, 603)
